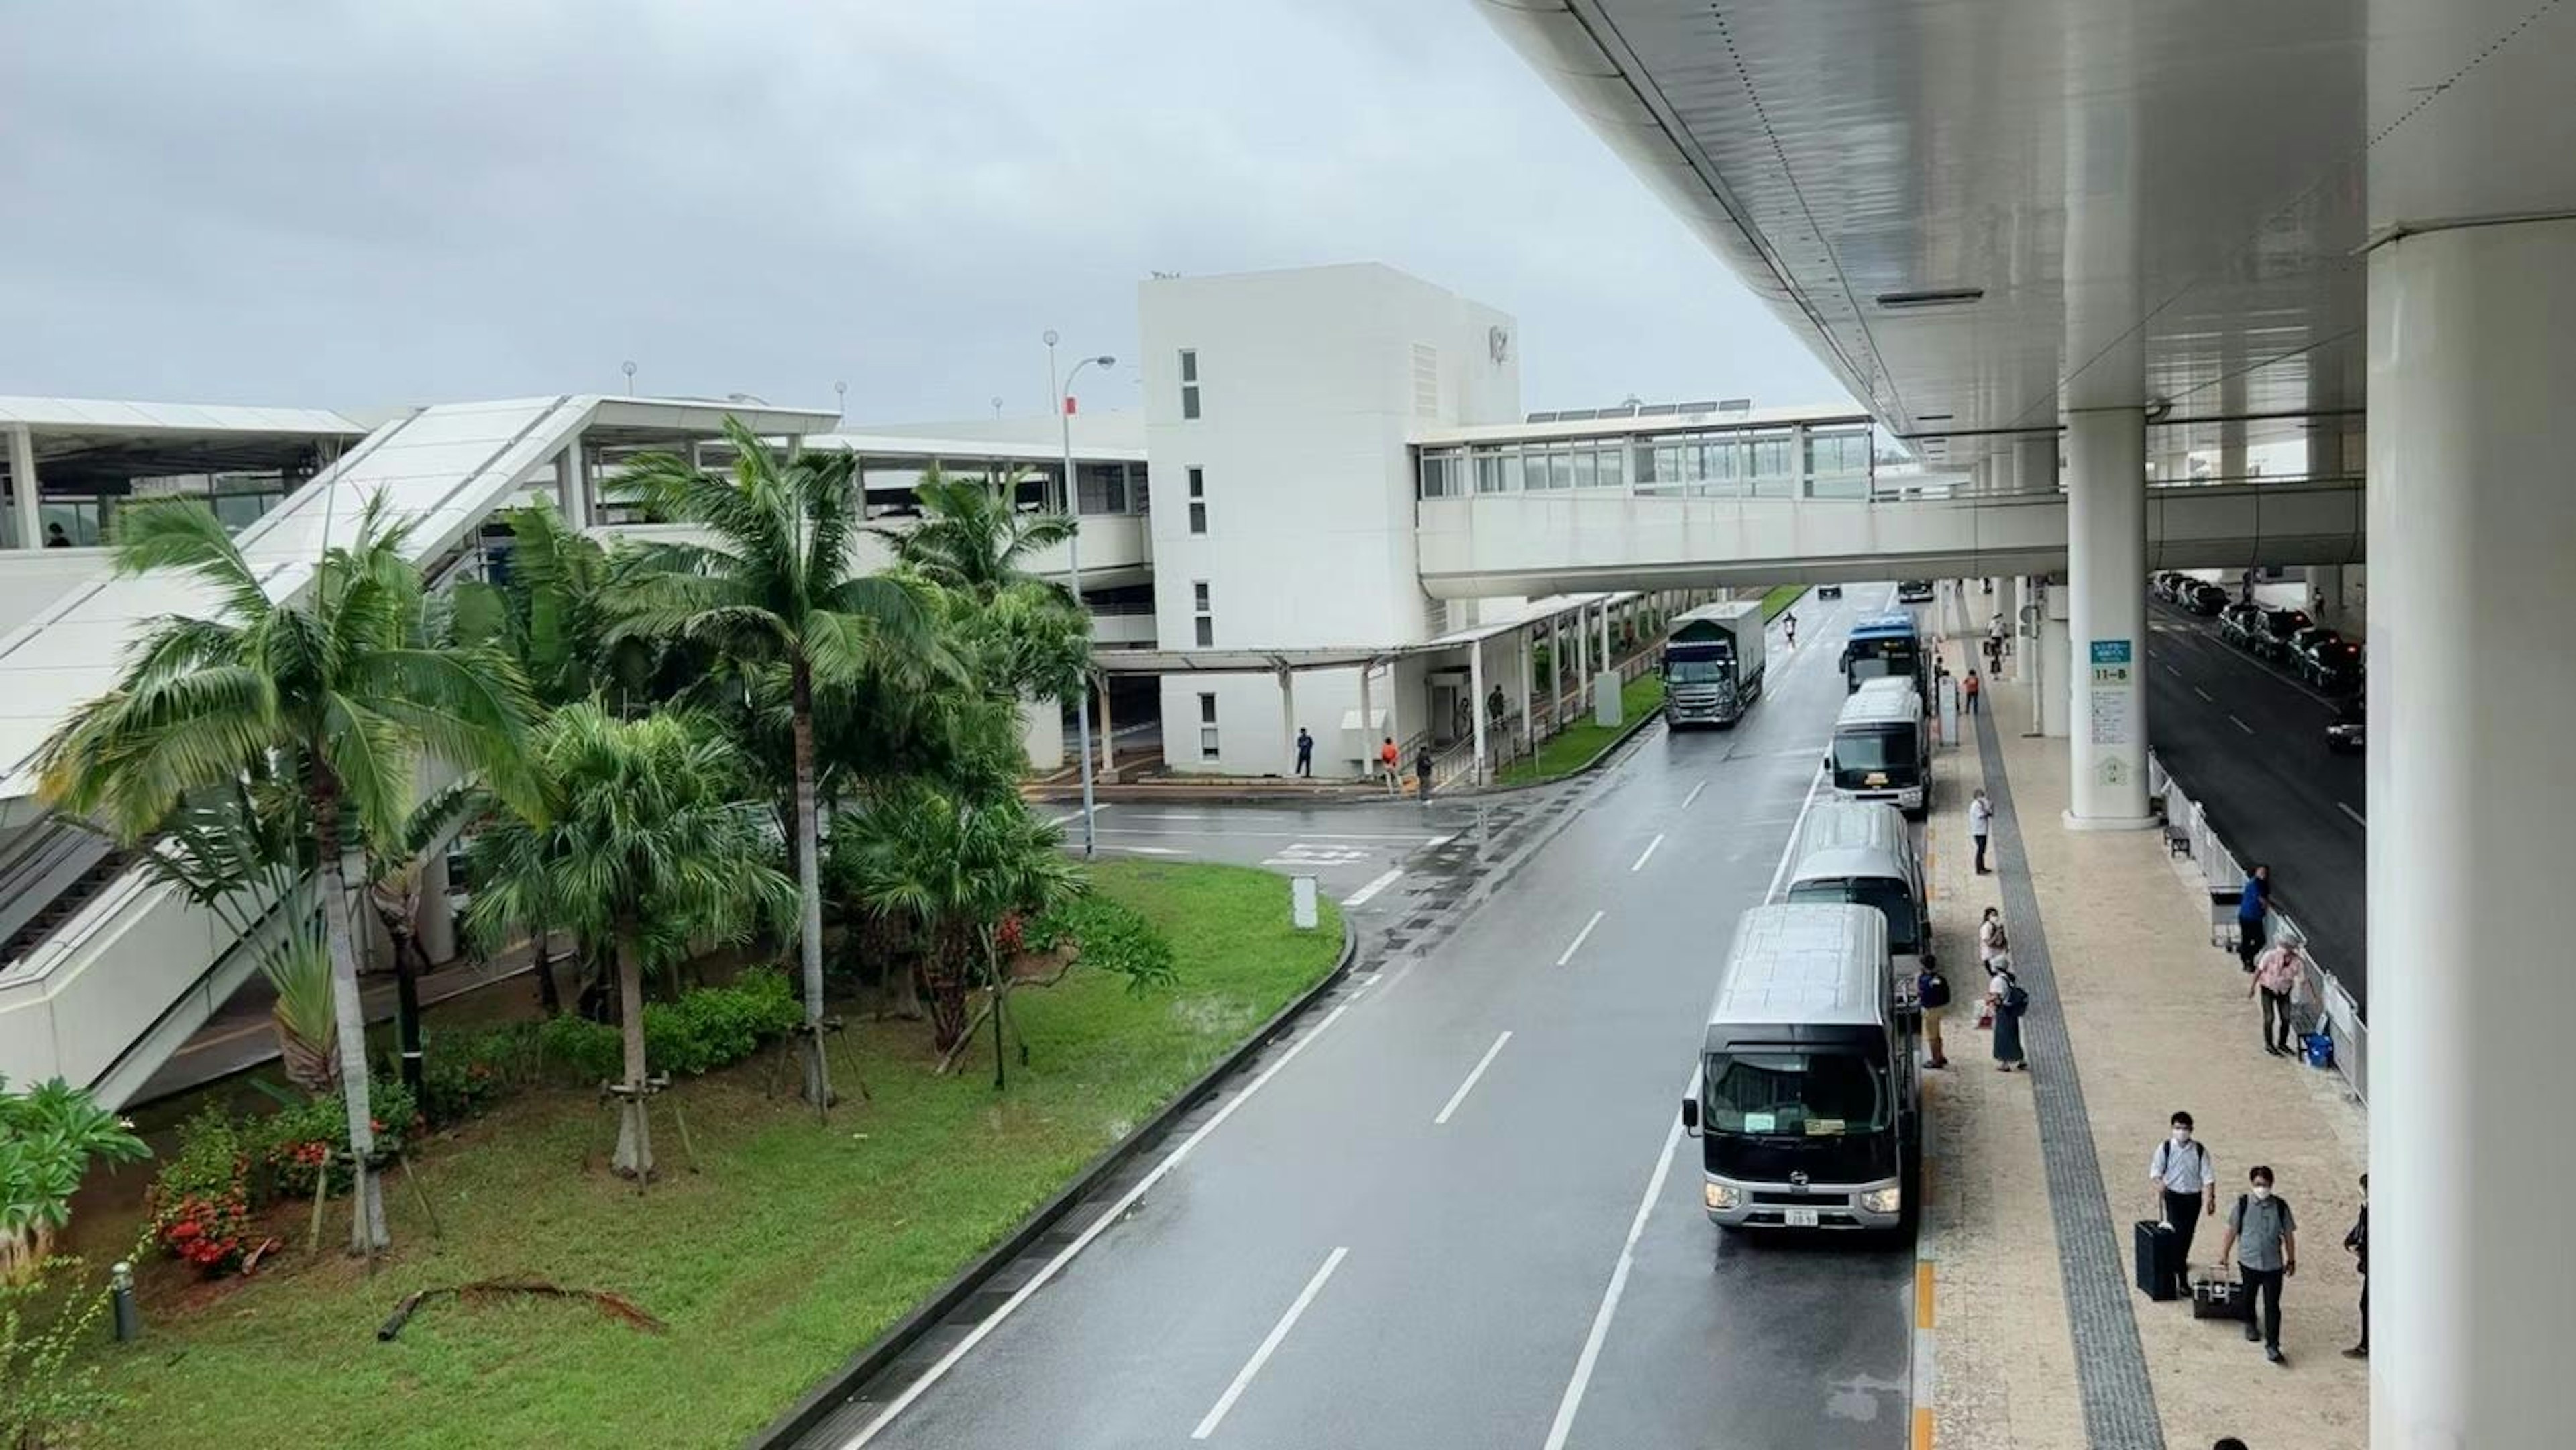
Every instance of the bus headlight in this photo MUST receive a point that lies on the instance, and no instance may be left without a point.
(1883, 1200)
(1721, 1197)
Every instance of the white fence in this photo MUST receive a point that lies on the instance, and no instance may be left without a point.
(2324, 997)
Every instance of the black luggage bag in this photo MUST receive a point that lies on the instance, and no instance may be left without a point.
(2221, 1299)
(2159, 1258)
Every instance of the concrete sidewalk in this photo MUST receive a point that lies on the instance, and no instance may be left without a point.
(2038, 1334)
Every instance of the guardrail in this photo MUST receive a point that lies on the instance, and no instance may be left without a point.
(2324, 997)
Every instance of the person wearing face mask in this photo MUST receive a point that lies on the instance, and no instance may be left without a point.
(2263, 1235)
(2186, 1190)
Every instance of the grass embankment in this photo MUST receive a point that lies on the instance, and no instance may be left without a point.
(1574, 749)
(1779, 598)
(795, 1246)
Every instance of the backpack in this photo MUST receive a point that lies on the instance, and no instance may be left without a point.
(1935, 990)
(2016, 1000)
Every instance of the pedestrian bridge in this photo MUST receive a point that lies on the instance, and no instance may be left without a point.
(1644, 537)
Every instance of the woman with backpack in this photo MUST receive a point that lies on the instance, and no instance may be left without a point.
(2010, 1001)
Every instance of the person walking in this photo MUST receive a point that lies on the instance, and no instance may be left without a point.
(2263, 1237)
(1305, 753)
(2277, 974)
(1932, 993)
(2186, 1190)
(1387, 758)
(1789, 624)
(2010, 1002)
(1969, 685)
(2252, 905)
(1991, 945)
(2356, 1242)
(1981, 824)
(1422, 773)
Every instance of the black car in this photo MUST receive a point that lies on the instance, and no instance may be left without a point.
(1829, 591)
(2344, 732)
(2314, 634)
(1913, 591)
(2170, 585)
(2236, 622)
(2202, 598)
(2273, 629)
(2332, 664)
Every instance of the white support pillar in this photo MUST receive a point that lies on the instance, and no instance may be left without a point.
(2051, 661)
(1368, 723)
(1529, 725)
(23, 490)
(1607, 662)
(1583, 646)
(1108, 732)
(2472, 339)
(1288, 718)
(2106, 547)
(1476, 709)
(572, 484)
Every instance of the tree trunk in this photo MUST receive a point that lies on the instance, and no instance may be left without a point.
(541, 961)
(407, 1019)
(367, 1232)
(634, 1129)
(809, 886)
(995, 973)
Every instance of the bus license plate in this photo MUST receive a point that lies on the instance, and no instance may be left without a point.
(1802, 1218)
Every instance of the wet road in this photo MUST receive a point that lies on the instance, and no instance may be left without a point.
(1406, 1227)
(2247, 740)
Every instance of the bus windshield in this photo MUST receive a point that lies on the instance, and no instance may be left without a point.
(1794, 1093)
(1877, 747)
(1893, 900)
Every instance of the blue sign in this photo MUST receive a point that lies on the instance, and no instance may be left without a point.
(2110, 651)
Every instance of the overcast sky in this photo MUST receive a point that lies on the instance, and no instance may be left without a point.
(363, 203)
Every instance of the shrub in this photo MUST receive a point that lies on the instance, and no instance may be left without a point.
(48, 1386)
(1110, 936)
(708, 1028)
(467, 1072)
(294, 1142)
(48, 1135)
(200, 1200)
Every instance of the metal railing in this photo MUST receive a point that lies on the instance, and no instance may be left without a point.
(2322, 997)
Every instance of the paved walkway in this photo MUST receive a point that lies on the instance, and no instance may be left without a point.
(2039, 1337)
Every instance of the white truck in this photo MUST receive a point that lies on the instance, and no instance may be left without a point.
(1713, 664)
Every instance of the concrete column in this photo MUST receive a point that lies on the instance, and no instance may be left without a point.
(1288, 717)
(1606, 658)
(23, 494)
(1583, 644)
(436, 920)
(572, 485)
(1529, 725)
(2106, 547)
(2472, 340)
(2325, 581)
(1368, 725)
(1108, 731)
(2050, 661)
(1476, 707)
(2035, 463)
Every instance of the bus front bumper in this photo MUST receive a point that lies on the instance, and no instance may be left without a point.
(1731, 1204)
(1909, 799)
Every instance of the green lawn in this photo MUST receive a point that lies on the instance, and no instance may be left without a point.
(795, 1246)
(1574, 749)
(1780, 597)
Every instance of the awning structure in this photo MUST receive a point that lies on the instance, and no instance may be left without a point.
(85, 441)
(1272, 661)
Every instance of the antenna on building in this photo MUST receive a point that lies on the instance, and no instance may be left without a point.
(841, 391)
(997, 407)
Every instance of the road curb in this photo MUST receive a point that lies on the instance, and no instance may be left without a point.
(818, 1403)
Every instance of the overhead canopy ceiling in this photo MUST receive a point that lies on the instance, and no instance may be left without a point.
(2135, 202)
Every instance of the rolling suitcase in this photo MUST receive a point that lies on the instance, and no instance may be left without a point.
(2220, 1299)
(2159, 1258)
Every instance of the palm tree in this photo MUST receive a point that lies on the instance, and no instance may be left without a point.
(972, 537)
(646, 845)
(774, 585)
(397, 874)
(334, 688)
(961, 867)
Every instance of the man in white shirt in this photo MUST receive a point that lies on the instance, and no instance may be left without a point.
(2186, 1188)
(1981, 822)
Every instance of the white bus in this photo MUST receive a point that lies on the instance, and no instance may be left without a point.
(1881, 750)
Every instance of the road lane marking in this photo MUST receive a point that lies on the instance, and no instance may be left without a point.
(1592, 1341)
(1361, 897)
(1473, 1073)
(1116, 1211)
(1795, 826)
(1694, 794)
(1579, 938)
(2241, 725)
(1163, 816)
(1267, 835)
(2356, 815)
(2169, 669)
(1261, 1356)
(1648, 854)
(1142, 850)
(2203, 694)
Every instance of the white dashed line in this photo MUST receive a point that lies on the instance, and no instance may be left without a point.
(1473, 1073)
(1269, 1343)
(2203, 694)
(1648, 854)
(1361, 897)
(1580, 938)
(2241, 725)
(2356, 815)
(1694, 794)
(1573, 1399)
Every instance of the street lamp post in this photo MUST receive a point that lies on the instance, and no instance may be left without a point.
(1073, 562)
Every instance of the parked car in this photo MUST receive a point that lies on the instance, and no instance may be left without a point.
(2333, 664)
(2202, 598)
(2236, 623)
(1829, 591)
(2170, 584)
(2273, 629)
(2344, 732)
(2314, 634)
(1913, 591)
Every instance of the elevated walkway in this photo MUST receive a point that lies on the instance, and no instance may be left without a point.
(1640, 537)
(107, 972)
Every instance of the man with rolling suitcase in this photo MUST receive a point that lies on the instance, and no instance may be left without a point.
(2186, 1192)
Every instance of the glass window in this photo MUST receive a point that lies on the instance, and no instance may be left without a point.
(1560, 468)
(1646, 471)
(1513, 480)
(1199, 591)
(1206, 632)
(1587, 468)
(1190, 373)
(1207, 727)
(1189, 383)
(1614, 466)
(1198, 500)
(1104, 488)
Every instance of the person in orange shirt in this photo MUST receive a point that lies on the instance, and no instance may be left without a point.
(1388, 759)
(1968, 688)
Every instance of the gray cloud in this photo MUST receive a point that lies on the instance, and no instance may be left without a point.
(356, 204)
